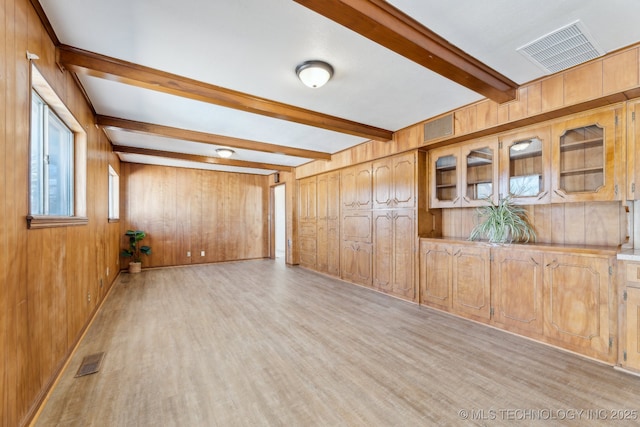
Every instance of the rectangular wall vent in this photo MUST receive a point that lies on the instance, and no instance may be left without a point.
(563, 48)
(438, 128)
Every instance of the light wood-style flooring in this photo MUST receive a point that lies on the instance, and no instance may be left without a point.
(256, 343)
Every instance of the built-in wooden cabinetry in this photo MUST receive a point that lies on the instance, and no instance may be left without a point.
(568, 160)
(307, 215)
(465, 175)
(559, 295)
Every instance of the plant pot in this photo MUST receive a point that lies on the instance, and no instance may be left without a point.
(135, 267)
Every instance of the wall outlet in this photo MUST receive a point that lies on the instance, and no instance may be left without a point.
(188, 253)
(201, 253)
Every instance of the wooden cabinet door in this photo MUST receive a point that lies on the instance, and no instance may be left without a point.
(307, 199)
(356, 262)
(308, 251)
(333, 247)
(404, 180)
(576, 303)
(333, 196)
(633, 329)
(355, 187)
(322, 246)
(436, 278)
(479, 172)
(471, 281)
(382, 183)
(583, 161)
(322, 200)
(517, 283)
(357, 226)
(525, 166)
(445, 182)
(383, 255)
(403, 255)
(348, 193)
(633, 145)
(394, 182)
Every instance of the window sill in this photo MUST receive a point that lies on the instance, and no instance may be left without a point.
(114, 220)
(49, 221)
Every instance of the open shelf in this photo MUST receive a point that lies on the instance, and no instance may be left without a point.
(581, 145)
(582, 171)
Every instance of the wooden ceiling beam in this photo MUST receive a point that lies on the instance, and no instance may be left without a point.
(384, 24)
(115, 123)
(88, 63)
(200, 159)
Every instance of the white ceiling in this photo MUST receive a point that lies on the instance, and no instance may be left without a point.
(253, 46)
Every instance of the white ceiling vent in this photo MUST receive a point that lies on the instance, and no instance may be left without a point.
(563, 48)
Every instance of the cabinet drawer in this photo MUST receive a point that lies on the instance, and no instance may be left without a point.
(633, 274)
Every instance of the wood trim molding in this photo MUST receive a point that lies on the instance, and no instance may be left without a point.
(200, 159)
(83, 62)
(382, 23)
(35, 222)
(106, 122)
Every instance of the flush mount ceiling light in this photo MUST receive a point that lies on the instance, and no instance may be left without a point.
(225, 153)
(520, 146)
(314, 73)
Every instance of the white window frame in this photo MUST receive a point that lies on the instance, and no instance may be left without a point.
(114, 195)
(78, 165)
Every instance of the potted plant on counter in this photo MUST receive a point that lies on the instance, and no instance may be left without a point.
(504, 222)
(135, 250)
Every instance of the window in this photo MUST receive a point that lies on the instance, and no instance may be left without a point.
(57, 169)
(114, 194)
(51, 162)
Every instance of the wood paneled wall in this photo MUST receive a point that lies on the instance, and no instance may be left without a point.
(187, 210)
(51, 280)
(593, 223)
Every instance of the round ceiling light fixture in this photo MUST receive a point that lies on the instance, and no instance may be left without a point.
(225, 153)
(314, 73)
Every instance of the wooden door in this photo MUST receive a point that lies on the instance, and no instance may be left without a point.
(471, 281)
(403, 255)
(583, 161)
(333, 247)
(633, 329)
(348, 192)
(445, 184)
(525, 166)
(517, 283)
(333, 196)
(436, 278)
(479, 172)
(576, 303)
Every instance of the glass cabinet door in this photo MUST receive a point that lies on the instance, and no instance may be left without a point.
(479, 164)
(480, 173)
(526, 160)
(445, 177)
(584, 158)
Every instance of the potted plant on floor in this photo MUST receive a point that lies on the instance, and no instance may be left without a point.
(135, 250)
